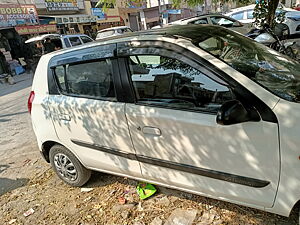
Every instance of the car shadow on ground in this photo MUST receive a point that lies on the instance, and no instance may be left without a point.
(7, 185)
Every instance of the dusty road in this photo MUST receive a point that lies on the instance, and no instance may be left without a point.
(18, 149)
(27, 182)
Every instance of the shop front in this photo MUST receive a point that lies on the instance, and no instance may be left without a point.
(12, 46)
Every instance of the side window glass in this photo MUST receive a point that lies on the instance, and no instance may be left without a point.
(75, 41)
(60, 76)
(85, 39)
(250, 14)
(201, 21)
(238, 16)
(216, 20)
(67, 43)
(172, 83)
(90, 79)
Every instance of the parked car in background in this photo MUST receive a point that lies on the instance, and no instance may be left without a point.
(113, 31)
(200, 109)
(297, 7)
(62, 41)
(213, 19)
(291, 22)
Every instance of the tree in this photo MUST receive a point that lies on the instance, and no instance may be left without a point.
(264, 12)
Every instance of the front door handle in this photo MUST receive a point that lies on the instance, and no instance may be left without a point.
(64, 117)
(152, 131)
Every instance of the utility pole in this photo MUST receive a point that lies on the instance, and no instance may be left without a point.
(159, 12)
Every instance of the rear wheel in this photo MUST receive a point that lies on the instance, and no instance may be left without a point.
(68, 167)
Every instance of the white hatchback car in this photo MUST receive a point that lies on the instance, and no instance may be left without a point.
(291, 24)
(113, 31)
(200, 109)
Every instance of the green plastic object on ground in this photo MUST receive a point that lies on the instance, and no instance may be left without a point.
(145, 190)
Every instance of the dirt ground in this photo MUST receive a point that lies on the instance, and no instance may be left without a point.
(27, 182)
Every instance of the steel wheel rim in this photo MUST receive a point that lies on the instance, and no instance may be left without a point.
(65, 167)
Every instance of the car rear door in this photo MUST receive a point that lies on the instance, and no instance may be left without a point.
(88, 118)
(172, 121)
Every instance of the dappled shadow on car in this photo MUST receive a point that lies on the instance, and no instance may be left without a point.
(202, 148)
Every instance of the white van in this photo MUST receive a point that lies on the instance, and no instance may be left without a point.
(62, 41)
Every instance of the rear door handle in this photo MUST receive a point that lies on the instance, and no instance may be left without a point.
(152, 131)
(64, 117)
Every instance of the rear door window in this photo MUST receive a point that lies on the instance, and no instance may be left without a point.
(67, 42)
(75, 41)
(91, 79)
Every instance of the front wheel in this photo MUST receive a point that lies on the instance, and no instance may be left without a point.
(68, 167)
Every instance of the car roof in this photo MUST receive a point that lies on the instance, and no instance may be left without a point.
(73, 35)
(201, 17)
(113, 28)
(42, 37)
(189, 32)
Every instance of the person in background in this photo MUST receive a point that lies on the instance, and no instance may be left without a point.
(49, 46)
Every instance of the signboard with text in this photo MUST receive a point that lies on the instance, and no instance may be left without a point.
(98, 13)
(13, 15)
(36, 29)
(61, 5)
(174, 11)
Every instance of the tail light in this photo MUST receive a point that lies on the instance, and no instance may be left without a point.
(30, 100)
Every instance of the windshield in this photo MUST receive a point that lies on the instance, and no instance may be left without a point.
(272, 70)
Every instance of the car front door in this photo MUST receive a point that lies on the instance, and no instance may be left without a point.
(88, 118)
(172, 121)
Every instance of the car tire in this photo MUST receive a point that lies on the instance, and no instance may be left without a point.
(68, 167)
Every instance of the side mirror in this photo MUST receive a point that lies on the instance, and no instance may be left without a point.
(233, 112)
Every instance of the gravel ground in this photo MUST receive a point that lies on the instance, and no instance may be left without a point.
(27, 182)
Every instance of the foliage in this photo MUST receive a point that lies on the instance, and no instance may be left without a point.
(105, 4)
(265, 13)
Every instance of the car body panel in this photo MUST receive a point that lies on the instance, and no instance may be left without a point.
(288, 194)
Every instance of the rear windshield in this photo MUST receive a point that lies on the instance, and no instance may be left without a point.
(105, 34)
(272, 70)
(124, 30)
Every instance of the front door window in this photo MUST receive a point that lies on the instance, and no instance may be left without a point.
(170, 82)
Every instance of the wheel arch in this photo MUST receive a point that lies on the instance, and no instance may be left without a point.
(46, 146)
